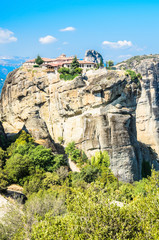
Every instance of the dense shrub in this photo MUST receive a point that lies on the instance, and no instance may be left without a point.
(64, 70)
(70, 73)
(3, 181)
(97, 217)
(68, 76)
(89, 173)
(3, 156)
(76, 155)
(25, 159)
(36, 66)
(90, 204)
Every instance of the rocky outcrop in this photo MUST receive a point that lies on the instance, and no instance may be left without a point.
(98, 113)
(147, 113)
(93, 56)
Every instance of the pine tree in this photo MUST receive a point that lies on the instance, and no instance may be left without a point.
(110, 63)
(101, 63)
(39, 60)
(75, 64)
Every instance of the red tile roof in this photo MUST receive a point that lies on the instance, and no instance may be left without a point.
(80, 62)
(59, 61)
(44, 59)
(54, 64)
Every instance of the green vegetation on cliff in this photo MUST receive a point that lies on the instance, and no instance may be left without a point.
(26, 163)
(70, 73)
(90, 204)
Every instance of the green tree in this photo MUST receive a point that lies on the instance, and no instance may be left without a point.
(75, 64)
(3, 180)
(39, 60)
(75, 154)
(64, 70)
(110, 63)
(101, 63)
(3, 156)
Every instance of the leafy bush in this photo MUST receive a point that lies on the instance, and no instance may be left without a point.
(25, 159)
(100, 159)
(70, 73)
(34, 183)
(96, 217)
(3, 156)
(78, 70)
(132, 74)
(76, 155)
(90, 204)
(89, 173)
(3, 181)
(139, 76)
(60, 139)
(68, 76)
(64, 70)
(36, 66)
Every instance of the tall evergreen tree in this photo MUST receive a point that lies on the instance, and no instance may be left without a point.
(75, 63)
(101, 63)
(39, 60)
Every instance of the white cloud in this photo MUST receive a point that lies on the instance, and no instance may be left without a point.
(118, 44)
(67, 29)
(6, 36)
(65, 43)
(47, 39)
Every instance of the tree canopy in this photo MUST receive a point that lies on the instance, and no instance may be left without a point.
(75, 64)
(39, 60)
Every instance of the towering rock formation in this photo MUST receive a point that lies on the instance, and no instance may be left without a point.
(147, 113)
(93, 56)
(98, 113)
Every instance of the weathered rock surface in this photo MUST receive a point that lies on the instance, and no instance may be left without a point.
(147, 113)
(97, 113)
(93, 56)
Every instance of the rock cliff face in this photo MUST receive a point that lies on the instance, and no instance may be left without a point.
(93, 56)
(147, 113)
(97, 113)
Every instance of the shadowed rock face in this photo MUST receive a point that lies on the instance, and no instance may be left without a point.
(97, 113)
(147, 113)
(3, 137)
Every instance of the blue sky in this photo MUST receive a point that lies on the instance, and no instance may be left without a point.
(117, 29)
